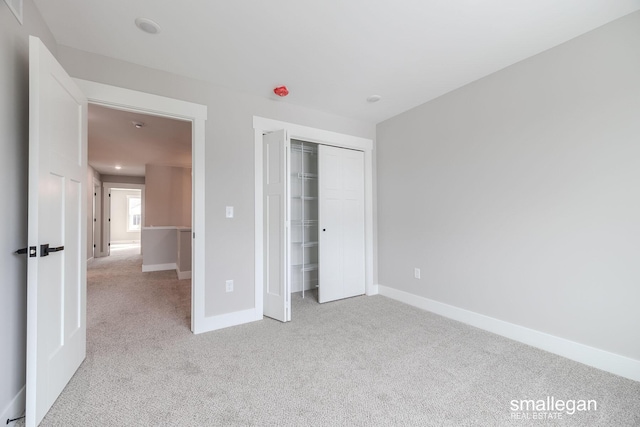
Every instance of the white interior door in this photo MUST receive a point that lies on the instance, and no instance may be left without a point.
(107, 223)
(277, 298)
(56, 281)
(93, 224)
(341, 253)
(97, 241)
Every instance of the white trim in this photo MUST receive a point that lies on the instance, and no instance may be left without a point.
(198, 223)
(263, 125)
(310, 134)
(183, 275)
(130, 100)
(15, 408)
(597, 358)
(258, 228)
(229, 319)
(97, 229)
(159, 267)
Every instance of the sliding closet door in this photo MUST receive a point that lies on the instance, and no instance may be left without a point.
(341, 222)
(276, 233)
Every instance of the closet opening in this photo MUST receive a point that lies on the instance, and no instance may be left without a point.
(304, 219)
(315, 228)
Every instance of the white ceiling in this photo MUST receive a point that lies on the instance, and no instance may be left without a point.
(114, 140)
(332, 54)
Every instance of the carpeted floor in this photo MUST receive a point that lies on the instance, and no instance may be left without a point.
(366, 361)
(124, 249)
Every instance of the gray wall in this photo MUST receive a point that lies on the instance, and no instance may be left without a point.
(229, 162)
(119, 216)
(123, 179)
(14, 145)
(167, 196)
(518, 195)
(159, 246)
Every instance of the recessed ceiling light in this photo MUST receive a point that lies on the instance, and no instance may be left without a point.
(138, 125)
(374, 98)
(147, 25)
(118, 167)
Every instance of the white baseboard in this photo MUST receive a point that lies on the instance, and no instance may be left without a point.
(226, 320)
(124, 242)
(601, 359)
(373, 290)
(182, 275)
(158, 267)
(15, 408)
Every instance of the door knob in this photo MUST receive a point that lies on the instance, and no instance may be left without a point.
(45, 249)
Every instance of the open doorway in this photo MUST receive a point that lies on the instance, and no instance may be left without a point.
(143, 166)
(126, 221)
(196, 116)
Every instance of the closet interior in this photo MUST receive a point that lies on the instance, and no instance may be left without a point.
(304, 217)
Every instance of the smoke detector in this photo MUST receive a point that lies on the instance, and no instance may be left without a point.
(281, 91)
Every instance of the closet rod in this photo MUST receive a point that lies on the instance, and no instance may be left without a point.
(304, 149)
(306, 175)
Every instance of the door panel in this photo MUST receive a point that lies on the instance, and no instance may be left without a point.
(341, 217)
(276, 230)
(56, 283)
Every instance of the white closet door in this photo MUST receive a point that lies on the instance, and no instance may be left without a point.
(277, 298)
(341, 221)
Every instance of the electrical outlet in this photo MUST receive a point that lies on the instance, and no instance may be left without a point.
(229, 285)
(416, 273)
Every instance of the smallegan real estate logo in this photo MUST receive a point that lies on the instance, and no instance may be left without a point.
(549, 408)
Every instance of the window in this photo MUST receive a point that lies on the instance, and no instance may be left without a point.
(134, 213)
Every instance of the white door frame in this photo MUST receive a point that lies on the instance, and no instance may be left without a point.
(140, 102)
(262, 125)
(97, 219)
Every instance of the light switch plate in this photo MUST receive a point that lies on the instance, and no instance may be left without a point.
(229, 211)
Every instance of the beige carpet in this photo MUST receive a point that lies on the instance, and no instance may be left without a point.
(124, 249)
(366, 361)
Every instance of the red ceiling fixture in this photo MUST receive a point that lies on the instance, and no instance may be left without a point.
(281, 91)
